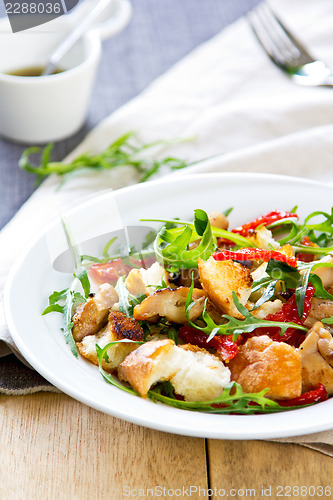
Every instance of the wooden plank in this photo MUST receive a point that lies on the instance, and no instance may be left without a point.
(53, 447)
(253, 465)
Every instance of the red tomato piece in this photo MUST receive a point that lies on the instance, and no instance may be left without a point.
(306, 257)
(254, 254)
(310, 397)
(287, 313)
(264, 220)
(223, 344)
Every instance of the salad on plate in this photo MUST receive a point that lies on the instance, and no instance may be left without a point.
(211, 319)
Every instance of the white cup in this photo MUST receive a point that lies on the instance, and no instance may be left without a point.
(36, 110)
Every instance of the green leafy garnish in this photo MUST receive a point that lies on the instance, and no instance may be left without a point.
(232, 399)
(83, 278)
(127, 301)
(328, 321)
(233, 326)
(102, 354)
(173, 251)
(65, 302)
(127, 150)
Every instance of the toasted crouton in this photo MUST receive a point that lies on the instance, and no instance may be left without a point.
(220, 279)
(152, 362)
(264, 364)
(317, 358)
(119, 328)
(263, 238)
(195, 373)
(170, 303)
(201, 376)
(91, 316)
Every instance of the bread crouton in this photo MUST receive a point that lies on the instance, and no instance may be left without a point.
(119, 327)
(317, 358)
(152, 362)
(220, 279)
(264, 364)
(92, 315)
(263, 238)
(201, 376)
(194, 373)
(170, 303)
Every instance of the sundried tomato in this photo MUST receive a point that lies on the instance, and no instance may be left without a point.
(288, 313)
(254, 254)
(223, 344)
(310, 397)
(264, 220)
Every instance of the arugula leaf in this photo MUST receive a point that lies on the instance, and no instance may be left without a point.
(127, 150)
(232, 400)
(127, 301)
(308, 267)
(233, 326)
(267, 295)
(173, 252)
(328, 321)
(65, 302)
(83, 277)
(228, 211)
(326, 226)
(200, 221)
(282, 271)
(102, 354)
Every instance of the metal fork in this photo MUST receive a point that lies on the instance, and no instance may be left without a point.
(286, 51)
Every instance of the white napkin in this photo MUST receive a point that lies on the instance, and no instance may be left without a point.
(236, 103)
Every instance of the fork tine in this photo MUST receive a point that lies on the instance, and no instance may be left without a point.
(264, 38)
(292, 39)
(281, 46)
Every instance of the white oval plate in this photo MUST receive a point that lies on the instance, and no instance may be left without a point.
(40, 341)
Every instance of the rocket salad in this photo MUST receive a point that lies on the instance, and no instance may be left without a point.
(210, 318)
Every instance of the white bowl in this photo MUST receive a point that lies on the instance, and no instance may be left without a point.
(41, 342)
(35, 110)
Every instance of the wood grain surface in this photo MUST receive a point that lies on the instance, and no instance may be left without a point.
(53, 447)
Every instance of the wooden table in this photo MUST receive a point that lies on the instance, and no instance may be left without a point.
(53, 447)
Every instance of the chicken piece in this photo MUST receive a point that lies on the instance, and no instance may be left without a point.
(263, 238)
(120, 327)
(325, 273)
(219, 220)
(152, 362)
(195, 373)
(317, 356)
(170, 303)
(264, 364)
(92, 315)
(220, 279)
(201, 376)
(320, 309)
(144, 281)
